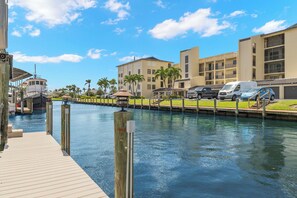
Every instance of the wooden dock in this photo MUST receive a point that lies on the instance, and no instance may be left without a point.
(35, 166)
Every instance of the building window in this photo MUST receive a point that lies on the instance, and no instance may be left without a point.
(274, 41)
(254, 60)
(153, 87)
(234, 62)
(153, 71)
(138, 71)
(274, 67)
(122, 75)
(254, 48)
(148, 79)
(129, 73)
(149, 71)
(149, 86)
(138, 86)
(186, 68)
(161, 84)
(182, 85)
(186, 59)
(153, 79)
(129, 87)
(186, 75)
(254, 73)
(275, 53)
(169, 65)
(119, 75)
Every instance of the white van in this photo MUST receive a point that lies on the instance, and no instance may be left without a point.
(233, 90)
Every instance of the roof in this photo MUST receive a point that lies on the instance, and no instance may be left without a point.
(19, 74)
(147, 58)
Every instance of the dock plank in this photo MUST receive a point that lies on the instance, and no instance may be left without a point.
(35, 166)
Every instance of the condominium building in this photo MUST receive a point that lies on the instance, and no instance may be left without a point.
(145, 67)
(269, 56)
(214, 70)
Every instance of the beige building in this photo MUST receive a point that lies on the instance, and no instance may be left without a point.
(145, 67)
(214, 70)
(269, 56)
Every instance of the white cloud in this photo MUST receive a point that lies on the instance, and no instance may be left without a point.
(254, 15)
(95, 53)
(113, 53)
(160, 3)
(139, 30)
(271, 26)
(53, 12)
(29, 29)
(119, 31)
(23, 58)
(199, 22)
(131, 58)
(12, 17)
(16, 33)
(122, 11)
(237, 13)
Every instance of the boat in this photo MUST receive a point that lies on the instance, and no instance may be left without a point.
(36, 88)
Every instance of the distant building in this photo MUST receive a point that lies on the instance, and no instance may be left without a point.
(145, 67)
(270, 59)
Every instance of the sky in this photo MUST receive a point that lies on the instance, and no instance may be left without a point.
(71, 41)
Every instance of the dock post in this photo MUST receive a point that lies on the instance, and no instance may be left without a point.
(236, 110)
(65, 127)
(149, 103)
(4, 81)
(197, 105)
(49, 117)
(30, 104)
(214, 105)
(141, 102)
(170, 100)
(134, 103)
(183, 104)
(264, 108)
(159, 101)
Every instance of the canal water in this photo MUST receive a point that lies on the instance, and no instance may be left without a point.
(184, 155)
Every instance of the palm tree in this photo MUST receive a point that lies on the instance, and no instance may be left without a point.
(138, 78)
(173, 73)
(130, 80)
(103, 83)
(84, 89)
(112, 83)
(162, 74)
(88, 82)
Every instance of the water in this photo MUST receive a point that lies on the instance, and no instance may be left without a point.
(184, 155)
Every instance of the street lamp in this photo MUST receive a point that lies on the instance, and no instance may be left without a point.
(122, 98)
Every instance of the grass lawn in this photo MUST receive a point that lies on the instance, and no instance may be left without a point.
(283, 105)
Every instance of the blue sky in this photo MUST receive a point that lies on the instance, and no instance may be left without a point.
(74, 40)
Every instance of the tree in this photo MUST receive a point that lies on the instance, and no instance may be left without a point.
(88, 82)
(129, 79)
(173, 73)
(112, 83)
(162, 74)
(138, 78)
(103, 83)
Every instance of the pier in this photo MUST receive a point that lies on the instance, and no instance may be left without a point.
(35, 166)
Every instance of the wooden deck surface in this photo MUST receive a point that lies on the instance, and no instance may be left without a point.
(35, 166)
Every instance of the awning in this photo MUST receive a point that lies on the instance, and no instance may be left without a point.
(19, 74)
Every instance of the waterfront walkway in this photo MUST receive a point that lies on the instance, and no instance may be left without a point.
(35, 166)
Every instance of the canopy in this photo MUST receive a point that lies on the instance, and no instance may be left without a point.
(19, 74)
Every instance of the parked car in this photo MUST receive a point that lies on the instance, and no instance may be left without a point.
(233, 90)
(202, 92)
(264, 92)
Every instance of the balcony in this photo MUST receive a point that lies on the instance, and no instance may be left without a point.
(230, 65)
(230, 75)
(209, 68)
(209, 78)
(219, 67)
(219, 76)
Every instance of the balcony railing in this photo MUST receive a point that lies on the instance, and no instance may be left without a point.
(209, 78)
(230, 65)
(219, 67)
(209, 68)
(230, 75)
(220, 77)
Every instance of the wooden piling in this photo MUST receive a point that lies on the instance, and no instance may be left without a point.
(30, 104)
(197, 104)
(120, 145)
(141, 102)
(183, 104)
(149, 103)
(170, 100)
(264, 108)
(236, 110)
(49, 118)
(214, 105)
(65, 128)
(134, 103)
(4, 81)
